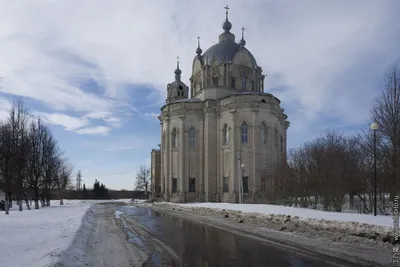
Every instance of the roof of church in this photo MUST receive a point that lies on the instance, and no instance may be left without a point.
(226, 49)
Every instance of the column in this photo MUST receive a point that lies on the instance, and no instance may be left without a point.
(201, 158)
(254, 143)
(210, 159)
(181, 164)
(233, 185)
(167, 159)
(219, 152)
(162, 151)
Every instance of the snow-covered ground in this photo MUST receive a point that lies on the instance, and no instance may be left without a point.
(303, 213)
(36, 238)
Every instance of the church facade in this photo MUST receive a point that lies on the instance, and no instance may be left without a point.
(226, 130)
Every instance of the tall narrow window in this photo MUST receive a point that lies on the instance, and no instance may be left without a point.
(253, 85)
(281, 144)
(245, 184)
(226, 185)
(192, 185)
(192, 137)
(225, 133)
(174, 185)
(174, 138)
(215, 81)
(243, 81)
(263, 134)
(244, 129)
(233, 82)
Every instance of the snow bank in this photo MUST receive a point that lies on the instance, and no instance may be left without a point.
(38, 237)
(89, 201)
(347, 227)
(302, 213)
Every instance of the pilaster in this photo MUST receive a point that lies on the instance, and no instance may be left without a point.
(162, 151)
(233, 186)
(181, 164)
(254, 148)
(201, 159)
(210, 141)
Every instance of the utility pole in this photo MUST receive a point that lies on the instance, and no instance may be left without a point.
(374, 127)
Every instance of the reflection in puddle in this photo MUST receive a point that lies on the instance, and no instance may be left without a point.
(201, 246)
(133, 238)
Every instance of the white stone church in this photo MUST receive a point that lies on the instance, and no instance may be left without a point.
(224, 130)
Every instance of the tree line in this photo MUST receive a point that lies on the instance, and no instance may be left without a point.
(32, 164)
(335, 169)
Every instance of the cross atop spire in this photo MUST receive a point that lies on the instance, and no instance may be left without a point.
(177, 71)
(198, 50)
(226, 26)
(242, 41)
(226, 8)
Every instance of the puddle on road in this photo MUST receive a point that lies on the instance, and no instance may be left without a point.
(198, 246)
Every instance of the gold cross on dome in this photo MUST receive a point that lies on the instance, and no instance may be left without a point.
(226, 8)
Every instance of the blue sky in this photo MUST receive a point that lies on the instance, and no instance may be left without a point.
(96, 71)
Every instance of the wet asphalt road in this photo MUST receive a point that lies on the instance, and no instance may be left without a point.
(196, 245)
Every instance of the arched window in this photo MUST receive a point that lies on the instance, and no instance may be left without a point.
(233, 82)
(192, 137)
(225, 133)
(244, 130)
(174, 138)
(243, 81)
(263, 134)
(215, 80)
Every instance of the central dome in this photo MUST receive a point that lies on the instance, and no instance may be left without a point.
(227, 66)
(225, 51)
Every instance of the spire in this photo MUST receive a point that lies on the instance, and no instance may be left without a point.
(226, 26)
(242, 42)
(198, 50)
(177, 72)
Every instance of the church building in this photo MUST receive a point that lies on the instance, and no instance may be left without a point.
(223, 133)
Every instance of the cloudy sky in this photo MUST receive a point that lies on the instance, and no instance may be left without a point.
(97, 70)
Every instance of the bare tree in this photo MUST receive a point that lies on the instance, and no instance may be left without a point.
(143, 179)
(5, 163)
(63, 178)
(37, 136)
(386, 112)
(17, 122)
(30, 159)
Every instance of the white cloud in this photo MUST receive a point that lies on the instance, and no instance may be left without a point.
(327, 55)
(151, 115)
(96, 130)
(107, 117)
(69, 123)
